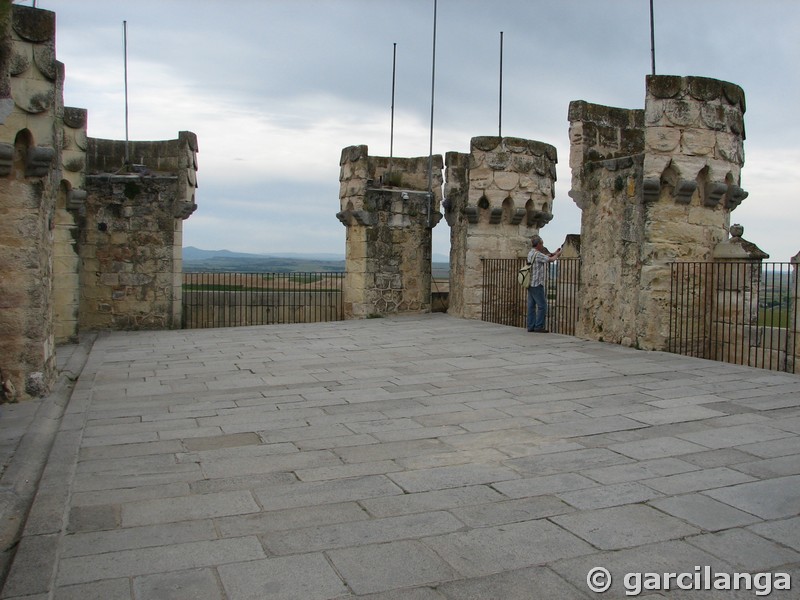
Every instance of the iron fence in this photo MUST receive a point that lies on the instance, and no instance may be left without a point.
(504, 301)
(738, 312)
(241, 299)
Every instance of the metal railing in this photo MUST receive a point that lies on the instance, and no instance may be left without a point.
(504, 301)
(242, 299)
(737, 312)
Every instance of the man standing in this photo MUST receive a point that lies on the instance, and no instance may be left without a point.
(538, 258)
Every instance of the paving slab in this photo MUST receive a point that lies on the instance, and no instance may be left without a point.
(301, 577)
(364, 570)
(403, 458)
(745, 550)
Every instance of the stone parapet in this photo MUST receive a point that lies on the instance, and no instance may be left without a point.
(31, 109)
(77, 254)
(389, 207)
(497, 197)
(130, 246)
(694, 126)
(654, 186)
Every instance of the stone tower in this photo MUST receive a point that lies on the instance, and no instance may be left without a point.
(86, 240)
(130, 245)
(389, 213)
(497, 197)
(654, 186)
(31, 116)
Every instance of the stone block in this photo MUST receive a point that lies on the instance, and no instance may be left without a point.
(698, 142)
(662, 139)
(194, 583)
(770, 499)
(280, 579)
(624, 526)
(704, 512)
(489, 550)
(195, 506)
(161, 559)
(745, 550)
(358, 533)
(383, 567)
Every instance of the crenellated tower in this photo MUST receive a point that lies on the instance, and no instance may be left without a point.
(87, 240)
(497, 197)
(389, 207)
(654, 186)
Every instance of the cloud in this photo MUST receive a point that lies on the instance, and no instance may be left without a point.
(275, 89)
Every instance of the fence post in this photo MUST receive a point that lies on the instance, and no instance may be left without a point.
(734, 329)
(794, 321)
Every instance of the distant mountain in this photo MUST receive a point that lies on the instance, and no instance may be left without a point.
(192, 253)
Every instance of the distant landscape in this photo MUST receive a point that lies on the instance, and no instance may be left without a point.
(196, 260)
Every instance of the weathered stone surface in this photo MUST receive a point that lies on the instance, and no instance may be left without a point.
(389, 216)
(116, 249)
(498, 196)
(685, 181)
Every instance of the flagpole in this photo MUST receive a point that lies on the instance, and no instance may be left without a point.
(430, 148)
(500, 118)
(125, 44)
(391, 134)
(652, 39)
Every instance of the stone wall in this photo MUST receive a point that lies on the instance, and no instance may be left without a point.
(31, 111)
(389, 215)
(70, 209)
(78, 253)
(130, 244)
(498, 196)
(606, 158)
(654, 186)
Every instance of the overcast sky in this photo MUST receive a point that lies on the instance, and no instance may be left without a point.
(274, 89)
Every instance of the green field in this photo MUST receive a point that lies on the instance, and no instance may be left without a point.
(774, 317)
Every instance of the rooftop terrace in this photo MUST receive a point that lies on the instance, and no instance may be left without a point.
(420, 457)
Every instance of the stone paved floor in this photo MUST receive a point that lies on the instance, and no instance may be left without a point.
(421, 458)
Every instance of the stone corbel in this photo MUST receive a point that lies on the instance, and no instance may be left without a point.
(183, 210)
(495, 216)
(539, 218)
(714, 193)
(435, 218)
(684, 191)
(38, 161)
(472, 214)
(517, 216)
(651, 190)
(577, 197)
(734, 197)
(347, 217)
(76, 199)
(6, 159)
